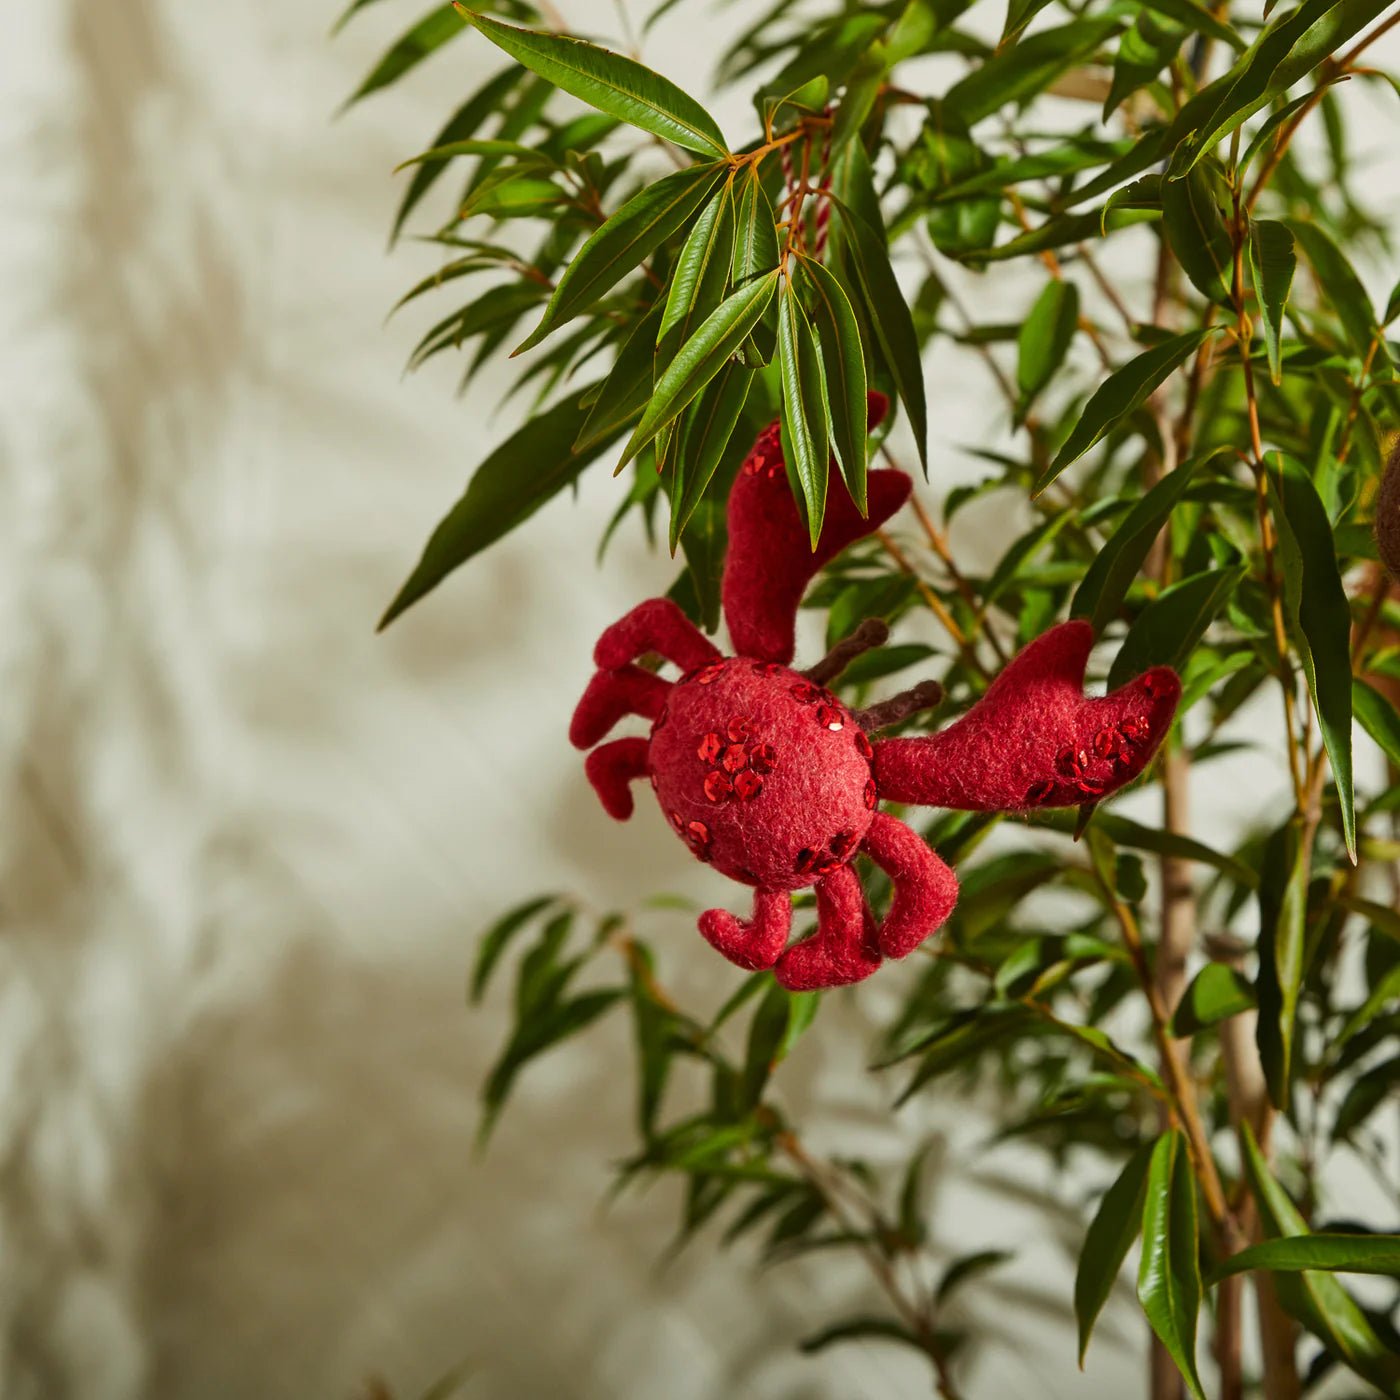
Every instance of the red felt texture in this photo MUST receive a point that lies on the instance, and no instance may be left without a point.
(612, 694)
(770, 778)
(1034, 739)
(611, 768)
(845, 947)
(925, 890)
(659, 626)
(756, 944)
(762, 773)
(770, 560)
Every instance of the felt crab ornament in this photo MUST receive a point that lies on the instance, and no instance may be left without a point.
(768, 777)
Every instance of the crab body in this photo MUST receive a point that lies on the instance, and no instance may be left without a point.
(772, 780)
(761, 773)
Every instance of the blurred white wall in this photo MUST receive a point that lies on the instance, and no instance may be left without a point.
(247, 844)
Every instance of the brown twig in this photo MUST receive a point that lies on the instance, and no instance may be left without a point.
(870, 634)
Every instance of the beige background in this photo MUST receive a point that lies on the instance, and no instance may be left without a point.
(247, 845)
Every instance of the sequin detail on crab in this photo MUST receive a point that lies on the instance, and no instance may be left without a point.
(709, 748)
(736, 770)
(718, 786)
(872, 795)
(805, 693)
(697, 837)
(708, 674)
(829, 717)
(735, 758)
(747, 785)
(863, 745)
(763, 758)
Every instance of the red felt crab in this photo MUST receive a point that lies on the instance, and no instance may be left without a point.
(768, 777)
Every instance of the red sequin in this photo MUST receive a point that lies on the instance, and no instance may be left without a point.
(842, 844)
(734, 758)
(1154, 685)
(717, 786)
(1133, 728)
(830, 718)
(1067, 761)
(805, 692)
(872, 794)
(675, 820)
(804, 861)
(1040, 792)
(747, 785)
(697, 836)
(763, 758)
(863, 745)
(738, 729)
(707, 674)
(1106, 743)
(766, 668)
(1093, 786)
(711, 746)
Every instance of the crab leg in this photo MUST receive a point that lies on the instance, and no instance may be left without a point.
(611, 768)
(755, 944)
(925, 890)
(612, 694)
(1034, 739)
(843, 949)
(657, 625)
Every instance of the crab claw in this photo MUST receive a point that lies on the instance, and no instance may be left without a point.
(1034, 739)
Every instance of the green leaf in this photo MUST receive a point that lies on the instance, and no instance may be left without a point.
(1271, 266)
(1196, 18)
(430, 33)
(756, 236)
(1344, 292)
(701, 358)
(779, 1021)
(1169, 1279)
(1195, 211)
(1045, 339)
(889, 317)
(1378, 718)
(805, 441)
(649, 217)
(627, 389)
(1020, 71)
(1106, 581)
(1291, 46)
(495, 940)
(463, 124)
(1333, 1254)
(1317, 1300)
(860, 1329)
(1019, 14)
(1216, 993)
(967, 1267)
(700, 274)
(1319, 619)
(535, 463)
(703, 541)
(1122, 393)
(1110, 1235)
(1283, 899)
(843, 361)
(706, 433)
(610, 82)
(1169, 627)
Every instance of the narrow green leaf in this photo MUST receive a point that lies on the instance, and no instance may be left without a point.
(1017, 72)
(843, 360)
(1169, 627)
(1045, 339)
(1283, 899)
(610, 82)
(1169, 1280)
(779, 1020)
(1316, 1299)
(649, 217)
(1378, 718)
(806, 445)
(701, 358)
(495, 940)
(1345, 294)
(1319, 619)
(430, 33)
(890, 318)
(627, 389)
(1107, 580)
(1195, 211)
(706, 433)
(860, 1329)
(701, 271)
(463, 124)
(536, 462)
(1197, 18)
(1019, 14)
(1216, 993)
(969, 1266)
(1271, 266)
(1123, 392)
(703, 541)
(1333, 1254)
(1110, 1235)
(756, 236)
